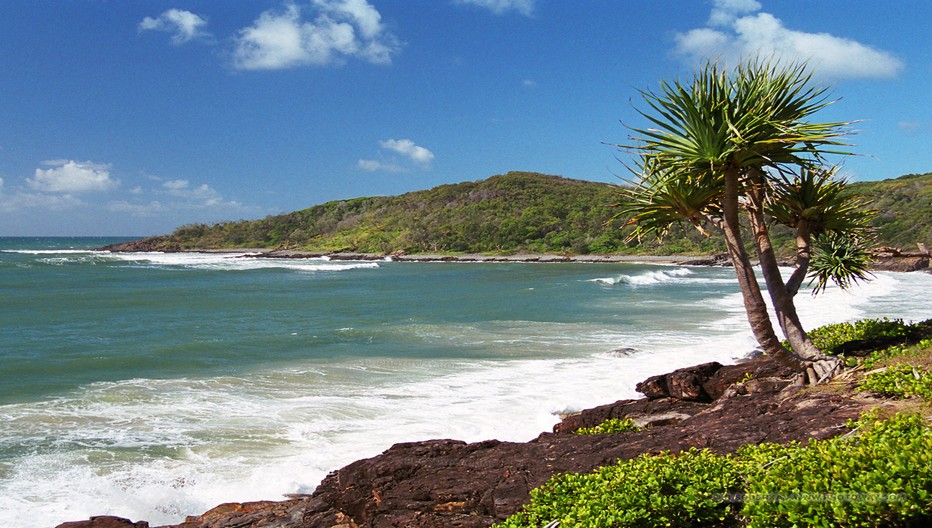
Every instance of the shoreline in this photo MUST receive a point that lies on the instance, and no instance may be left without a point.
(476, 257)
(883, 258)
(896, 262)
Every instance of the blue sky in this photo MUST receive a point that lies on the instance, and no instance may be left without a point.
(135, 117)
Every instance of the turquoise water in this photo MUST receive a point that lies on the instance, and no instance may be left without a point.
(155, 386)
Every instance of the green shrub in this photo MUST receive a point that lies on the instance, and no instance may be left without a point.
(612, 425)
(828, 337)
(879, 477)
(896, 351)
(899, 381)
(692, 488)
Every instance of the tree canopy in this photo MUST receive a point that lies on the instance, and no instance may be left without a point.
(731, 143)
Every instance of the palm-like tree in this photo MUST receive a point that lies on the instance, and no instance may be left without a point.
(732, 142)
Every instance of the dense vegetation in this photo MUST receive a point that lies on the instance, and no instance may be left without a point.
(515, 212)
(879, 474)
(905, 208)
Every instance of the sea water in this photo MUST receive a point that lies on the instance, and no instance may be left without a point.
(154, 386)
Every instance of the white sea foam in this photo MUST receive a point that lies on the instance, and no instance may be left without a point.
(234, 262)
(649, 278)
(192, 260)
(50, 251)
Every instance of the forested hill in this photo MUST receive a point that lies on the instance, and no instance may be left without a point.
(513, 212)
(904, 205)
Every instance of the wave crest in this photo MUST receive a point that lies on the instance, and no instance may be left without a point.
(647, 278)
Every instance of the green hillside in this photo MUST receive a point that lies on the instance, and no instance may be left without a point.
(904, 205)
(510, 213)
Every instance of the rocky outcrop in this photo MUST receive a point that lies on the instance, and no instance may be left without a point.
(451, 483)
(894, 259)
(142, 245)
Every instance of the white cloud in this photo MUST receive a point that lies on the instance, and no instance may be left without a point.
(72, 177)
(184, 25)
(746, 33)
(725, 12)
(178, 195)
(407, 148)
(202, 194)
(525, 7)
(379, 166)
(20, 201)
(341, 29)
(410, 156)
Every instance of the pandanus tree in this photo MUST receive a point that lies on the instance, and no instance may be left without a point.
(733, 144)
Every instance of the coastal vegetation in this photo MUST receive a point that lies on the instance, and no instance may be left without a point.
(877, 474)
(612, 425)
(521, 212)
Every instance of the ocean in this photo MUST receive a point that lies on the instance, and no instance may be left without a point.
(154, 386)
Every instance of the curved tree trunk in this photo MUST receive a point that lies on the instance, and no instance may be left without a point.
(754, 303)
(803, 256)
(780, 296)
(809, 359)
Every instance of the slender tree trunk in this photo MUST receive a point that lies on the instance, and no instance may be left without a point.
(780, 297)
(803, 256)
(754, 303)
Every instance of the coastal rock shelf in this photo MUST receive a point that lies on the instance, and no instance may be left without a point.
(894, 260)
(471, 485)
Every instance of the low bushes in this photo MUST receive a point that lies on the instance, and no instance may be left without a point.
(612, 425)
(881, 475)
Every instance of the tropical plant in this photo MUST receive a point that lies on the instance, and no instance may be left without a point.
(727, 143)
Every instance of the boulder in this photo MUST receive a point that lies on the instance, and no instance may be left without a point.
(686, 384)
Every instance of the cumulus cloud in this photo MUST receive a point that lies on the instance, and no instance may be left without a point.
(525, 7)
(183, 25)
(407, 148)
(339, 30)
(406, 155)
(737, 29)
(72, 177)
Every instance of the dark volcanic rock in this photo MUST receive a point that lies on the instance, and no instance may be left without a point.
(105, 521)
(142, 245)
(718, 259)
(451, 483)
(682, 384)
(900, 263)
